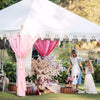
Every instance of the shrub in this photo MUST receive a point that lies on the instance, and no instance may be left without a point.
(10, 69)
(62, 77)
(32, 78)
(96, 74)
(11, 54)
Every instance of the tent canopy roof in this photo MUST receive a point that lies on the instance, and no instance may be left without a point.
(46, 19)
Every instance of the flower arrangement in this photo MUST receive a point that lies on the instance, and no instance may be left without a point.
(45, 68)
(69, 81)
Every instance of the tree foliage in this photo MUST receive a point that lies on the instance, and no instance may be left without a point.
(88, 9)
(11, 54)
(6, 3)
(10, 69)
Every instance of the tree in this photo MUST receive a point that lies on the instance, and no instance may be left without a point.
(46, 67)
(6, 3)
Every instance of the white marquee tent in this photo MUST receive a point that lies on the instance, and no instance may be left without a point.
(46, 19)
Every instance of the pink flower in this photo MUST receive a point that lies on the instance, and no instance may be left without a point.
(38, 81)
(69, 79)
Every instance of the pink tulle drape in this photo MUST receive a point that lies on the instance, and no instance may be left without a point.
(99, 43)
(21, 46)
(44, 47)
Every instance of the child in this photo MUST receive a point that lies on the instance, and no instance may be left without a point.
(75, 63)
(89, 85)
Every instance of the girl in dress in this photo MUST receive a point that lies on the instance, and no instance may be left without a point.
(89, 85)
(75, 63)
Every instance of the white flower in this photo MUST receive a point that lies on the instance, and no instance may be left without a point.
(46, 68)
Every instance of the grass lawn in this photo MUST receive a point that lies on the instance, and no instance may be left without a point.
(52, 96)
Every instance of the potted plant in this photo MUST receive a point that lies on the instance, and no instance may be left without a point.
(69, 81)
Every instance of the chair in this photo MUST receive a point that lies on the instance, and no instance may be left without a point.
(2, 78)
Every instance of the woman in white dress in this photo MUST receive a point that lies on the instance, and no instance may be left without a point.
(89, 85)
(75, 63)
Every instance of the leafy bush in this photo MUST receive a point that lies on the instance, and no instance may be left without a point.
(10, 69)
(62, 77)
(11, 54)
(32, 78)
(96, 74)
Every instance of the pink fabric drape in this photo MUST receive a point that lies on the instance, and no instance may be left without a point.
(99, 43)
(44, 47)
(21, 46)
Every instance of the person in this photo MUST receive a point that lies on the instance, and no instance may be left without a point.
(75, 63)
(89, 85)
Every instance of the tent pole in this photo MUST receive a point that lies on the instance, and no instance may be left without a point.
(22, 26)
(0, 59)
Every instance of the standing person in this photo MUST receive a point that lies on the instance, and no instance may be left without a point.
(75, 63)
(89, 85)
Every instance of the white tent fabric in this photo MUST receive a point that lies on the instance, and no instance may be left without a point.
(46, 19)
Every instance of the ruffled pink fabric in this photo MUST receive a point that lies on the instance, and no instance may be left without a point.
(99, 43)
(44, 47)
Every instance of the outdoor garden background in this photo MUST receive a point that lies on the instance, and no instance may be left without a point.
(88, 9)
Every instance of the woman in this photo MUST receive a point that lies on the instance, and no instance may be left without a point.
(75, 63)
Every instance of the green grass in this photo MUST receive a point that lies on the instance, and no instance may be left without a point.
(52, 96)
